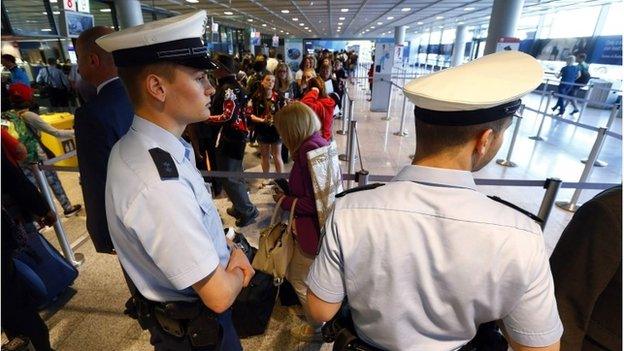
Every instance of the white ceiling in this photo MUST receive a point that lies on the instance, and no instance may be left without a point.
(323, 17)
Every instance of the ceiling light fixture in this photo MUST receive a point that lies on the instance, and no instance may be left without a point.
(274, 28)
(379, 23)
(406, 27)
(301, 24)
(46, 30)
(306, 28)
(285, 11)
(344, 10)
(469, 8)
(193, 1)
(295, 19)
(405, 9)
(341, 18)
(439, 17)
(56, 12)
(249, 20)
(390, 18)
(460, 23)
(105, 10)
(419, 23)
(228, 13)
(264, 24)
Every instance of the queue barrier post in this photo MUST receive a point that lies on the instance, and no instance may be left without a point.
(538, 137)
(75, 259)
(507, 160)
(571, 205)
(402, 132)
(350, 137)
(552, 186)
(585, 101)
(362, 177)
(388, 118)
(351, 150)
(345, 114)
(612, 115)
(544, 92)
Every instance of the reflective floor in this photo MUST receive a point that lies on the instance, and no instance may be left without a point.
(92, 315)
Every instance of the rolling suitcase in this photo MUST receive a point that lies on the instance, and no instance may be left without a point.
(44, 270)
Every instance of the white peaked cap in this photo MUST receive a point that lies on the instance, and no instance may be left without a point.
(175, 39)
(460, 95)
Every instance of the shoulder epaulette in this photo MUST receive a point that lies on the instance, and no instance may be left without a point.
(164, 163)
(360, 188)
(517, 208)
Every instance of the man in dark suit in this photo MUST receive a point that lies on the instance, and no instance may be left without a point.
(98, 125)
(587, 270)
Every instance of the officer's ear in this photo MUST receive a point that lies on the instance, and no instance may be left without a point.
(155, 87)
(484, 141)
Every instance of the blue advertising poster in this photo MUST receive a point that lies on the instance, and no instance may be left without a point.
(607, 50)
(526, 46)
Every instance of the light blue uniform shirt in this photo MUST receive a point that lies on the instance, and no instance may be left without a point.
(426, 258)
(167, 233)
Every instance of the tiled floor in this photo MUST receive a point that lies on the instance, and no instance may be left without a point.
(92, 318)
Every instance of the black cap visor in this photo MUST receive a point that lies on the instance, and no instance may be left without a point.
(189, 52)
(467, 118)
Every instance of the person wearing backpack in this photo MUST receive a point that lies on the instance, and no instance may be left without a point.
(583, 79)
(56, 83)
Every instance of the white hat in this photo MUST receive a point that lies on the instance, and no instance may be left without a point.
(479, 91)
(176, 39)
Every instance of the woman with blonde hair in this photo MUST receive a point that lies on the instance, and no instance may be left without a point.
(284, 82)
(299, 128)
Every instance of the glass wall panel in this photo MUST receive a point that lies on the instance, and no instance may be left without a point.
(29, 17)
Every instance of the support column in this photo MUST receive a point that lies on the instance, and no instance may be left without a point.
(129, 13)
(459, 48)
(399, 35)
(503, 21)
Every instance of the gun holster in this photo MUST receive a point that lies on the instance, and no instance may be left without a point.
(341, 331)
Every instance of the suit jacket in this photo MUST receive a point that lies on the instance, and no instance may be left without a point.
(98, 125)
(587, 270)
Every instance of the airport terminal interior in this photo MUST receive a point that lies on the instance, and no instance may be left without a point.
(381, 46)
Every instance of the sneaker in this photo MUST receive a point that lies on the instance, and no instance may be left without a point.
(305, 333)
(574, 111)
(245, 221)
(553, 108)
(232, 212)
(72, 211)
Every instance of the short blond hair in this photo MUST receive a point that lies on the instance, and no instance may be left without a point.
(295, 123)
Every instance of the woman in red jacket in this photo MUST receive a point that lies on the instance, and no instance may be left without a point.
(316, 98)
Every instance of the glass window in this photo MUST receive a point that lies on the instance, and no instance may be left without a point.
(614, 20)
(29, 17)
(102, 14)
(572, 23)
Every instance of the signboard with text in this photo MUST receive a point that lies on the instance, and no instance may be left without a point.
(70, 5)
(83, 6)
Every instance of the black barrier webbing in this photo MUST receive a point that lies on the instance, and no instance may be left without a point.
(382, 178)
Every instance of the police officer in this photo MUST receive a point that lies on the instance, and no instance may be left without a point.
(163, 223)
(427, 258)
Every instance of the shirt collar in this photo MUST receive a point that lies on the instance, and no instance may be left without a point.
(177, 147)
(437, 176)
(99, 87)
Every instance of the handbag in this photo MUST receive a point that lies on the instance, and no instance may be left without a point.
(276, 245)
(252, 309)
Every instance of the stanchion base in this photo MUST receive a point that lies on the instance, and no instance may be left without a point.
(343, 157)
(567, 206)
(506, 163)
(401, 134)
(342, 132)
(411, 156)
(598, 163)
(386, 118)
(79, 259)
(536, 138)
